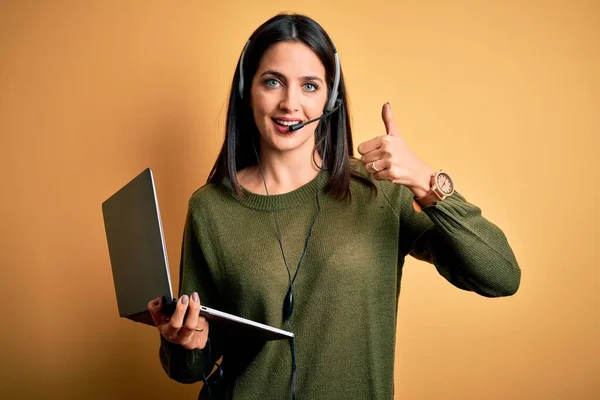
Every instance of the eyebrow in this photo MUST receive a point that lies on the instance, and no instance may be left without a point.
(282, 77)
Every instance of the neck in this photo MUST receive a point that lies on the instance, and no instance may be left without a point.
(283, 173)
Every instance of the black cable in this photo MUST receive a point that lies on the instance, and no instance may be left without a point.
(288, 302)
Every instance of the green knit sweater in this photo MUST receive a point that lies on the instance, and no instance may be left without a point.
(346, 293)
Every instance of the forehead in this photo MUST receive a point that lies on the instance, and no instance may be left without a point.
(293, 59)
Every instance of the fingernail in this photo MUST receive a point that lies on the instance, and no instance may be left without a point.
(195, 297)
(156, 301)
(184, 299)
(389, 105)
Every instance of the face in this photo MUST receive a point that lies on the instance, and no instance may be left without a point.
(288, 87)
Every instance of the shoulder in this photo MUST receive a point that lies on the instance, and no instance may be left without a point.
(208, 196)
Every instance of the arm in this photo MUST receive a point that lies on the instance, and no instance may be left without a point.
(468, 250)
(180, 364)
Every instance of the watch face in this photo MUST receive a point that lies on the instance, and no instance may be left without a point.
(444, 183)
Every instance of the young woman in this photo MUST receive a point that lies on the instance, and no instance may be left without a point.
(293, 231)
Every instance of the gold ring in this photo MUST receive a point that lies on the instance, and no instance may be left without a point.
(199, 329)
(374, 167)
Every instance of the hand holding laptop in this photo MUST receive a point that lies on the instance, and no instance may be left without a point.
(140, 269)
(185, 327)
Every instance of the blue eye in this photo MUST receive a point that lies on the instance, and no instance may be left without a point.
(310, 87)
(272, 83)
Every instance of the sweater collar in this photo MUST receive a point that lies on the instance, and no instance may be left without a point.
(303, 194)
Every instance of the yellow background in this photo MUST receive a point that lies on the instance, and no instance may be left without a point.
(503, 95)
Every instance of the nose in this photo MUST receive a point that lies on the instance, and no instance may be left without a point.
(290, 101)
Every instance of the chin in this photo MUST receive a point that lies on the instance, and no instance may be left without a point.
(290, 142)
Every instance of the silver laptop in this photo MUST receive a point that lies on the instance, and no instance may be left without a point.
(139, 261)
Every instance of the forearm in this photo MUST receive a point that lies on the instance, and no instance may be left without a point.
(182, 365)
(470, 251)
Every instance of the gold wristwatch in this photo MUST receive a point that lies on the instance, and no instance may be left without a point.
(442, 186)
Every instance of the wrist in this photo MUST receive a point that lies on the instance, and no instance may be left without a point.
(442, 186)
(422, 182)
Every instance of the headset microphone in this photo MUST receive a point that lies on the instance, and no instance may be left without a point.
(301, 125)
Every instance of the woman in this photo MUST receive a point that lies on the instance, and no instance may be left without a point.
(292, 231)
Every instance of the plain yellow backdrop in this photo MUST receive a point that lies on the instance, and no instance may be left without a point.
(503, 95)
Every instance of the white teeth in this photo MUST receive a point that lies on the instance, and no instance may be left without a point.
(286, 123)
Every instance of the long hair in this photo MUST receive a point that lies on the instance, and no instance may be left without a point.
(241, 132)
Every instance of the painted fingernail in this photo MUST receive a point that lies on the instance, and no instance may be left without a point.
(156, 301)
(195, 296)
(184, 299)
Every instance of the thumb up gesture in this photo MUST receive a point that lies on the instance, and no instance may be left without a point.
(388, 158)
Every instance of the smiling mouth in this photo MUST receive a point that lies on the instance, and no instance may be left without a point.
(286, 123)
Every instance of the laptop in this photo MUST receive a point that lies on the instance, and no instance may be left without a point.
(139, 263)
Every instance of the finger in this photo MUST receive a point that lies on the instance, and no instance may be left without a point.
(191, 321)
(370, 145)
(377, 166)
(391, 174)
(383, 174)
(203, 325)
(377, 154)
(154, 307)
(176, 321)
(386, 115)
(199, 336)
